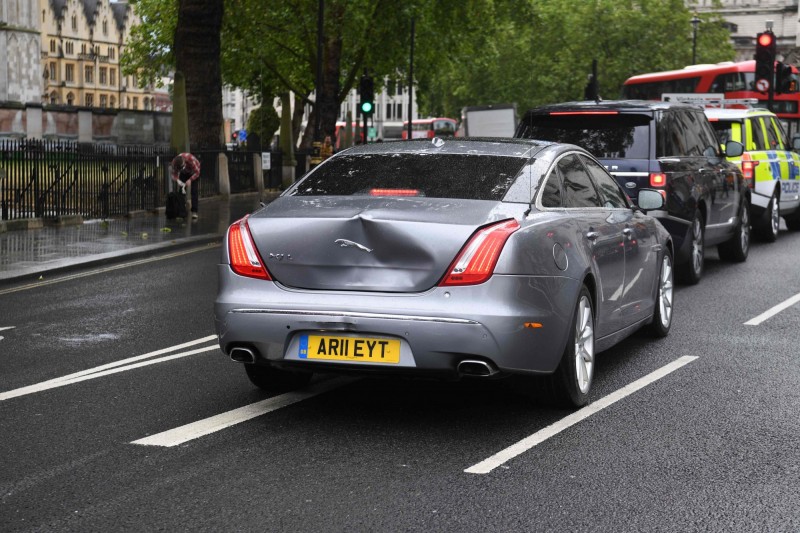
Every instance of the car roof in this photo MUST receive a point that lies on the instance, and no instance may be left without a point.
(455, 145)
(734, 114)
(625, 106)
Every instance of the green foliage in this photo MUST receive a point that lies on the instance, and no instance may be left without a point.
(467, 52)
(264, 121)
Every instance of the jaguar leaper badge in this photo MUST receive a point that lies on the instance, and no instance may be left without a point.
(344, 243)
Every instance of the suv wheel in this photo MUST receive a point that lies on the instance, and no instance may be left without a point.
(768, 229)
(737, 248)
(692, 270)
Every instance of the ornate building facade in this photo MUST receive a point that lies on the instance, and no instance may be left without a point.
(81, 45)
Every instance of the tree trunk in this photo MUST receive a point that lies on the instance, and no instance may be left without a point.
(197, 56)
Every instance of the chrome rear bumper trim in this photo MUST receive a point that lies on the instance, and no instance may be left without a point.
(310, 312)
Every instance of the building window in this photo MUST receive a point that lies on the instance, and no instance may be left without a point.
(112, 76)
(112, 101)
(53, 72)
(399, 89)
(69, 75)
(389, 111)
(88, 75)
(53, 97)
(74, 22)
(105, 29)
(89, 100)
(70, 47)
(102, 76)
(111, 52)
(83, 48)
(43, 12)
(103, 100)
(70, 98)
(135, 102)
(52, 46)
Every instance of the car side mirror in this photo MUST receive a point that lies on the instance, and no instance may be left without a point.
(734, 149)
(796, 143)
(650, 199)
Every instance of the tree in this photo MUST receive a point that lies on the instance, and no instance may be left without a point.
(197, 49)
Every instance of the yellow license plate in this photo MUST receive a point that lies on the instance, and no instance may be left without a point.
(360, 349)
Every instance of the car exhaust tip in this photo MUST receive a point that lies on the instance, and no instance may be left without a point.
(242, 355)
(474, 367)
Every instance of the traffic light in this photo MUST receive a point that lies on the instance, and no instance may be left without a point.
(234, 135)
(367, 90)
(765, 60)
(785, 81)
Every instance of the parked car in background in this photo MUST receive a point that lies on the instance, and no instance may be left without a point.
(770, 167)
(666, 146)
(444, 258)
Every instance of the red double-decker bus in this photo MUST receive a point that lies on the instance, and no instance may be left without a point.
(733, 80)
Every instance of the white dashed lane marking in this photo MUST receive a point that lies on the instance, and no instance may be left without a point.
(503, 456)
(769, 313)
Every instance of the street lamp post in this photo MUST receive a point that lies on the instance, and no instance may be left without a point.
(695, 23)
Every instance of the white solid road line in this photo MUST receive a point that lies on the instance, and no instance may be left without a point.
(201, 428)
(774, 311)
(112, 368)
(43, 282)
(503, 456)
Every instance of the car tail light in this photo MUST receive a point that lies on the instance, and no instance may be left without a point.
(242, 252)
(476, 261)
(658, 179)
(749, 169)
(394, 192)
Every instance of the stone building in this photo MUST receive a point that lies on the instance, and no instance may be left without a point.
(746, 18)
(82, 42)
(20, 70)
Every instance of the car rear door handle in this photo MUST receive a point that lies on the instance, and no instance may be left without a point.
(592, 235)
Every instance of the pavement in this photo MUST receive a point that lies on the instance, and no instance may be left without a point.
(31, 254)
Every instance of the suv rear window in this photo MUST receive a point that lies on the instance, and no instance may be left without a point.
(463, 176)
(622, 136)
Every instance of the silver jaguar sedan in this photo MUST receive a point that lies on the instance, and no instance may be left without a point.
(445, 258)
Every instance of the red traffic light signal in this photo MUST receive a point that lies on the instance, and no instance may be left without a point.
(766, 39)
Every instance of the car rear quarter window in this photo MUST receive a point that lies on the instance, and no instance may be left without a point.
(772, 134)
(579, 191)
(610, 192)
(757, 140)
(607, 136)
(463, 176)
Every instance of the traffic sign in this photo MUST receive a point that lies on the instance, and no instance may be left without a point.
(762, 85)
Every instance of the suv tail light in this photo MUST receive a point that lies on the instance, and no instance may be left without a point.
(242, 252)
(749, 169)
(658, 179)
(476, 261)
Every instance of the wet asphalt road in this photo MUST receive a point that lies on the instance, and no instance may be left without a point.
(712, 446)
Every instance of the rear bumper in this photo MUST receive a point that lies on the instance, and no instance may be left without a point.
(437, 329)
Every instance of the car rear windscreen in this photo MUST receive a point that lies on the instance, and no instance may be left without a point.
(606, 136)
(463, 176)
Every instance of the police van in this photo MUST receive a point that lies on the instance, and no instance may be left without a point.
(768, 163)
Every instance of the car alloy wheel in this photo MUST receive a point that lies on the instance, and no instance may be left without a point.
(744, 229)
(584, 344)
(665, 292)
(697, 248)
(662, 313)
(775, 217)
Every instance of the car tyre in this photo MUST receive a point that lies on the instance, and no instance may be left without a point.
(692, 270)
(572, 380)
(273, 379)
(737, 248)
(662, 315)
(768, 229)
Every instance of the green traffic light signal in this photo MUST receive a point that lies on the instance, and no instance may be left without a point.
(366, 107)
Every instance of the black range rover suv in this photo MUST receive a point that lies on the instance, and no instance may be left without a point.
(665, 146)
